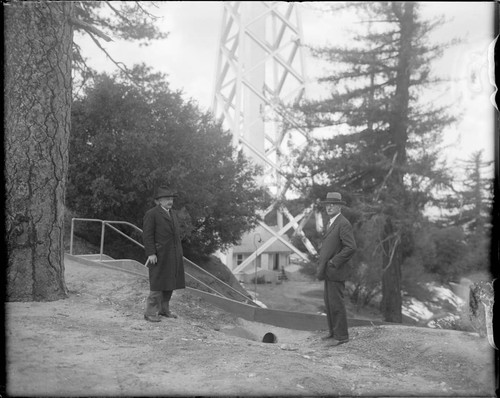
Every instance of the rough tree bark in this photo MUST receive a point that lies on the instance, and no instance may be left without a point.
(391, 305)
(37, 98)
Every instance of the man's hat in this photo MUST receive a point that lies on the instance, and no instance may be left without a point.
(333, 198)
(163, 192)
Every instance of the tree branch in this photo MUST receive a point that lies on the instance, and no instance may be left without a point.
(120, 65)
(386, 177)
(137, 3)
(117, 12)
(393, 250)
(89, 29)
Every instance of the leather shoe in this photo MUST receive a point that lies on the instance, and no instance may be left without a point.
(152, 318)
(330, 336)
(336, 342)
(168, 314)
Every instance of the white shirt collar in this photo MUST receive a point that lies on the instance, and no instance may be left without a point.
(167, 210)
(333, 219)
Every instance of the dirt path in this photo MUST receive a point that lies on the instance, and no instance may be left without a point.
(97, 343)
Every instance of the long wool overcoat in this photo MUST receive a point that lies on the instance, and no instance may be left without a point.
(161, 237)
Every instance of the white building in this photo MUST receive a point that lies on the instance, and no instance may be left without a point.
(268, 264)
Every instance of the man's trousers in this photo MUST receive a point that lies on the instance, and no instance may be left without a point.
(335, 309)
(158, 302)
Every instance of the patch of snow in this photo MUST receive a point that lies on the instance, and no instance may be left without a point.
(416, 310)
(432, 311)
(443, 293)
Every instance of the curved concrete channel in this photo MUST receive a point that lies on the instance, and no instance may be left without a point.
(298, 321)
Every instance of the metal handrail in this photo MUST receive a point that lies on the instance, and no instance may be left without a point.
(108, 223)
(123, 234)
(103, 224)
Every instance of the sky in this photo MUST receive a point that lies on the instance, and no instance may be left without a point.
(188, 58)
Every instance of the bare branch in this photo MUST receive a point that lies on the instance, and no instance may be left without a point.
(120, 65)
(387, 176)
(89, 29)
(81, 65)
(117, 12)
(146, 11)
(393, 250)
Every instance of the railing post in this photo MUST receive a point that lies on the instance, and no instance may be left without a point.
(71, 236)
(102, 240)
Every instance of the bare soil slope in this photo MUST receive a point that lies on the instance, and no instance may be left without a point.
(96, 342)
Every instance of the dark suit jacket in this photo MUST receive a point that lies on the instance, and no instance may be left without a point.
(337, 248)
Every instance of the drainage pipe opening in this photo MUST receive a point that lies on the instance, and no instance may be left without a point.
(270, 338)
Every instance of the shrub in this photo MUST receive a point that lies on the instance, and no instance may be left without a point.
(260, 280)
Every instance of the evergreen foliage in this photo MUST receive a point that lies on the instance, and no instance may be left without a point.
(128, 139)
(383, 150)
(474, 199)
(471, 211)
(105, 21)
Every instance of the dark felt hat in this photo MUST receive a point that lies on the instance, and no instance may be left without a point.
(163, 192)
(333, 198)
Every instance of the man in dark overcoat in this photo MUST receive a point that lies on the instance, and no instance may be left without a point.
(162, 244)
(337, 248)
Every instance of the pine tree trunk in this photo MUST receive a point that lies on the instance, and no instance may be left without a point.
(391, 304)
(391, 278)
(37, 73)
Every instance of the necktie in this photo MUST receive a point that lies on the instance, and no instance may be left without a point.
(331, 222)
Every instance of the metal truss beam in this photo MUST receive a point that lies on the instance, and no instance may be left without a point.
(260, 71)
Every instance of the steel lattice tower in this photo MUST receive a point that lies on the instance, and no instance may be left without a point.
(260, 71)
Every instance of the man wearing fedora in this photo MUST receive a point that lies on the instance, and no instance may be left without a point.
(162, 244)
(337, 248)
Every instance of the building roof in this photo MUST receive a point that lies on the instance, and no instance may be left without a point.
(250, 242)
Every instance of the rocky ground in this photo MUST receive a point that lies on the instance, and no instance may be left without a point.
(96, 342)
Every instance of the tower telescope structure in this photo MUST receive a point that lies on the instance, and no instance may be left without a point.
(260, 71)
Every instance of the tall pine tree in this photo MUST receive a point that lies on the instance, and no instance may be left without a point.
(385, 144)
(39, 61)
(475, 198)
(473, 212)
